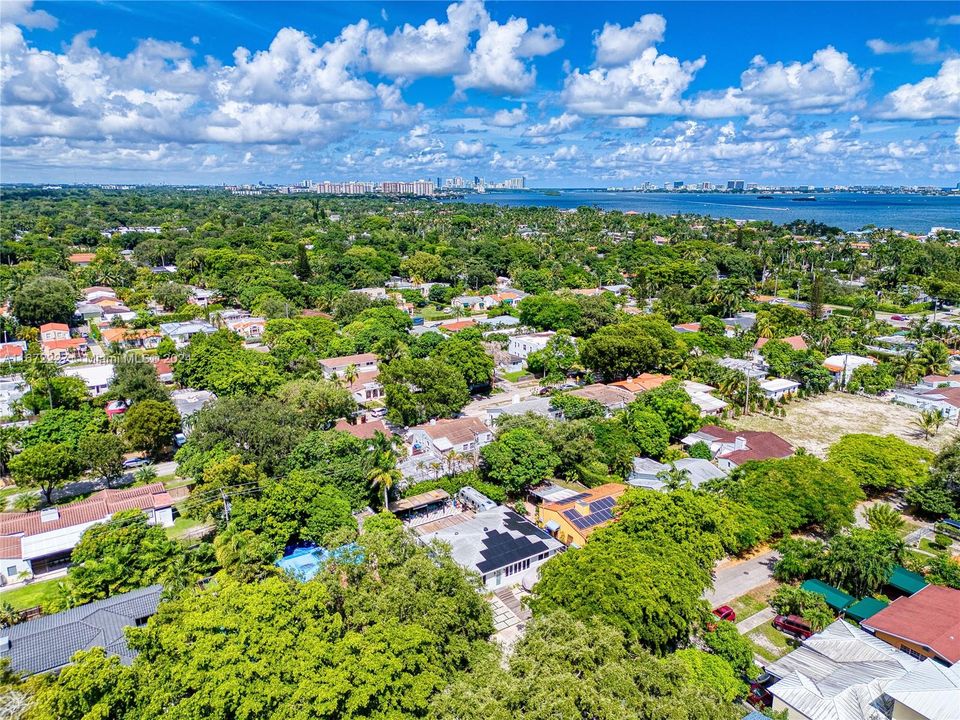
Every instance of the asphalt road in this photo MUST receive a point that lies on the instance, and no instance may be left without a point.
(732, 581)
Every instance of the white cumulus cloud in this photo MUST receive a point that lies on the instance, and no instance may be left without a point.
(930, 98)
(509, 118)
(617, 45)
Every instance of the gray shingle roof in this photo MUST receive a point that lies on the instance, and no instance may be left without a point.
(48, 643)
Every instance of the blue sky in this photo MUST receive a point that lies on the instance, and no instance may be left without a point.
(567, 94)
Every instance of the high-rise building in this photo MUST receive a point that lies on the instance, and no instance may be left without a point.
(735, 184)
(677, 184)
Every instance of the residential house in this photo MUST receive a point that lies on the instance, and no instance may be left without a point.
(41, 541)
(691, 327)
(732, 448)
(117, 312)
(336, 366)
(182, 332)
(63, 351)
(537, 405)
(841, 673)
(249, 328)
(189, 402)
(130, 339)
(928, 381)
(701, 396)
(461, 435)
(164, 370)
(365, 430)
(97, 377)
(374, 293)
(13, 351)
(12, 390)
(507, 298)
(201, 297)
(794, 341)
(619, 290)
(923, 625)
(522, 346)
(755, 369)
(612, 397)
(89, 312)
(54, 331)
(366, 388)
(841, 367)
(81, 259)
(98, 292)
(498, 544)
(48, 643)
(648, 473)
(572, 520)
(642, 383)
(741, 322)
(778, 388)
(928, 691)
(945, 399)
(457, 326)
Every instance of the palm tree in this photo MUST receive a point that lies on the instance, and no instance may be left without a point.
(349, 375)
(39, 373)
(674, 478)
(384, 476)
(9, 437)
(933, 359)
(929, 422)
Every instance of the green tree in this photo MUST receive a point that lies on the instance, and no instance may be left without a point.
(647, 429)
(793, 600)
(671, 402)
(884, 517)
(122, 554)
(518, 459)
(860, 561)
(881, 463)
(418, 390)
(45, 465)
(711, 671)
(102, 454)
(944, 570)
(150, 425)
(302, 268)
(136, 381)
(340, 458)
(799, 558)
(468, 357)
(319, 401)
(44, 299)
(933, 358)
(727, 642)
(556, 360)
(929, 422)
(171, 295)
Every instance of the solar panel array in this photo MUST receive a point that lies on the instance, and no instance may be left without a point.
(600, 512)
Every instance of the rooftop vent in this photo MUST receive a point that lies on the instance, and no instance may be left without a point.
(49, 514)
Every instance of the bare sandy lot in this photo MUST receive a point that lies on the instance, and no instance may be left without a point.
(818, 422)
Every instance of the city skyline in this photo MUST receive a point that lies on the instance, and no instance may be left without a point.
(222, 93)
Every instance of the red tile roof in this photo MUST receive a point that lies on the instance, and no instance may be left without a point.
(364, 431)
(929, 617)
(691, 326)
(98, 506)
(458, 326)
(643, 382)
(54, 327)
(760, 445)
(344, 360)
(80, 258)
(65, 344)
(10, 350)
(794, 341)
(456, 430)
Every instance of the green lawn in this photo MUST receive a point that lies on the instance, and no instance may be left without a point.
(514, 376)
(182, 525)
(36, 593)
(769, 643)
(430, 312)
(747, 605)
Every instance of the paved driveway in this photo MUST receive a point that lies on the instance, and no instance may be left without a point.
(733, 580)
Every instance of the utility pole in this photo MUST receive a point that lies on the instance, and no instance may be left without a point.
(226, 505)
(746, 402)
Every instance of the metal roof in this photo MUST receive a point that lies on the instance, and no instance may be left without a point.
(836, 598)
(906, 581)
(839, 674)
(865, 608)
(931, 690)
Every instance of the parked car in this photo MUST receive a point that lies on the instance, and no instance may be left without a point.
(760, 697)
(134, 463)
(898, 317)
(793, 625)
(725, 612)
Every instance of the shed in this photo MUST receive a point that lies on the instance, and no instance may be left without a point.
(836, 598)
(415, 502)
(866, 608)
(906, 581)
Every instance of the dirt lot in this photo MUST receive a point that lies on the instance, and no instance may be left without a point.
(818, 422)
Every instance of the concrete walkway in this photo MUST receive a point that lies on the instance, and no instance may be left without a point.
(756, 620)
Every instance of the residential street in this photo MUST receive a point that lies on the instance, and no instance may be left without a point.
(736, 579)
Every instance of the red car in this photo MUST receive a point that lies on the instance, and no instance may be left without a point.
(725, 612)
(793, 625)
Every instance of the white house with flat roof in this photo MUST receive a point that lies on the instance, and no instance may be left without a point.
(523, 345)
